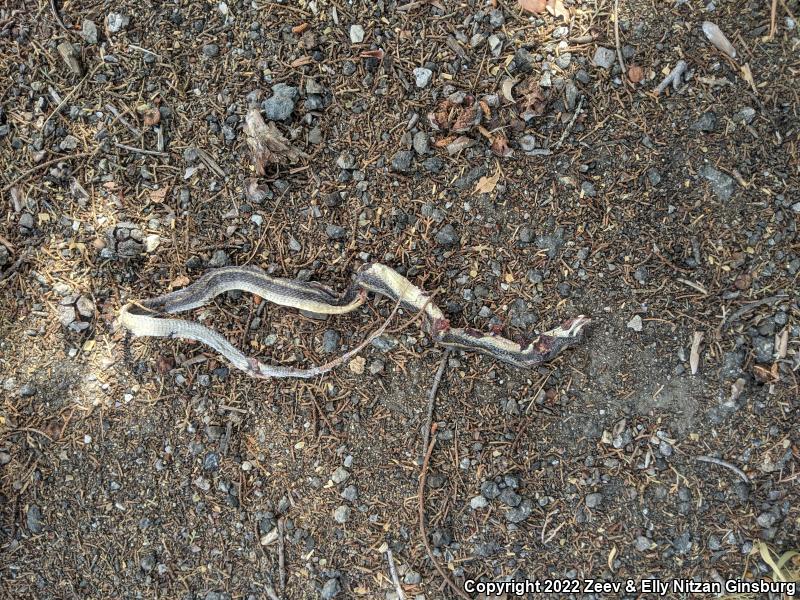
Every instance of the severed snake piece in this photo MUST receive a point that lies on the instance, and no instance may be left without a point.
(146, 318)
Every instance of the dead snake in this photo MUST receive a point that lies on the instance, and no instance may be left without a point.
(145, 318)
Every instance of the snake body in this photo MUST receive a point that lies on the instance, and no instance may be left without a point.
(146, 318)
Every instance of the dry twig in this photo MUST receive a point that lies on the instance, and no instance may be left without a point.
(426, 434)
(393, 572)
(424, 475)
(423, 532)
(723, 463)
(281, 559)
(616, 38)
(673, 78)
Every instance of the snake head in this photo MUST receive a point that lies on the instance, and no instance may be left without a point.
(550, 343)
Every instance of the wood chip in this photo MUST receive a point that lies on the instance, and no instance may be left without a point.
(718, 39)
(694, 355)
(71, 57)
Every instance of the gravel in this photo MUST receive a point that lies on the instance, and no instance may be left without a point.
(219, 259)
(604, 57)
(33, 518)
(401, 161)
(635, 323)
(331, 589)
(721, 183)
(89, 32)
(520, 513)
(643, 544)
(336, 232)
(341, 514)
(280, 105)
(478, 502)
(447, 236)
(422, 77)
(350, 493)
(433, 164)
(706, 123)
(593, 500)
(356, 34)
(210, 50)
(330, 341)
(490, 490)
(509, 497)
(340, 475)
(421, 143)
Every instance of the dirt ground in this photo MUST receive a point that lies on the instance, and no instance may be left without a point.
(502, 157)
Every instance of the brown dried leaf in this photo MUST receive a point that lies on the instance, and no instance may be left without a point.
(766, 375)
(179, 281)
(747, 75)
(635, 73)
(253, 191)
(533, 6)
(500, 146)
(151, 116)
(445, 141)
(441, 118)
(467, 119)
(487, 184)
(267, 143)
(460, 143)
(557, 9)
(533, 100)
(157, 196)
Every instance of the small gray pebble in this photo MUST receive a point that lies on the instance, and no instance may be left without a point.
(420, 143)
(643, 544)
(654, 176)
(331, 589)
(447, 236)
(330, 341)
(26, 223)
(604, 57)
(490, 490)
(422, 77)
(340, 475)
(342, 514)
(520, 513)
(509, 497)
(210, 50)
(706, 123)
(478, 502)
(433, 164)
(335, 232)
(721, 183)
(219, 259)
(401, 161)
(33, 518)
(211, 462)
(594, 500)
(350, 493)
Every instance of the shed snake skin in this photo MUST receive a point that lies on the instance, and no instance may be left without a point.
(146, 318)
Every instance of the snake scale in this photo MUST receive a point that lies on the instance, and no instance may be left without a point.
(147, 317)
